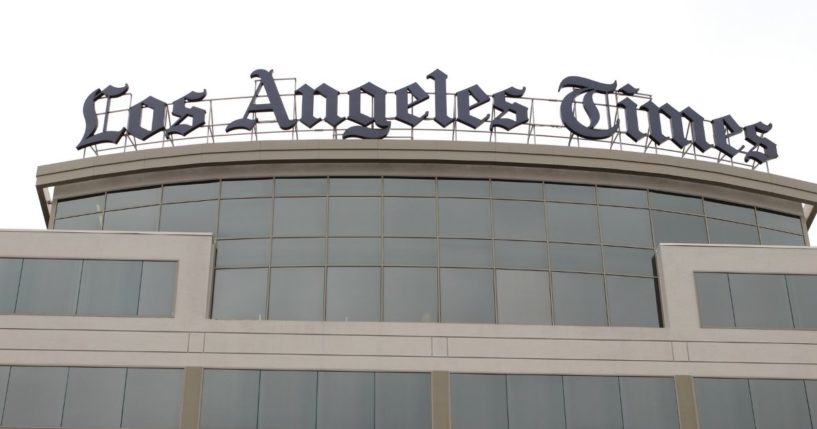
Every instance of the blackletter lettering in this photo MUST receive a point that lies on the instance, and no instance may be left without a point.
(355, 115)
(308, 105)
(181, 111)
(588, 88)
(464, 115)
(157, 123)
(275, 105)
(440, 98)
(722, 129)
(90, 138)
(501, 104)
(404, 106)
(769, 147)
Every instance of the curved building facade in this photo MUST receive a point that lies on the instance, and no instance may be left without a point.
(416, 284)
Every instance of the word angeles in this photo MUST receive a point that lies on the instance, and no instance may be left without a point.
(686, 127)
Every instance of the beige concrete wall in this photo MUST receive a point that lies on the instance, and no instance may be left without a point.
(190, 339)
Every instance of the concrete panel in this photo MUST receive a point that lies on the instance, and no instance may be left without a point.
(560, 349)
(317, 344)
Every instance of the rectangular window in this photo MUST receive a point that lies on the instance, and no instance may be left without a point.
(467, 295)
(573, 223)
(240, 294)
(756, 301)
(110, 288)
(296, 294)
(578, 299)
(523, 297)
(410, 294)
(353, 294)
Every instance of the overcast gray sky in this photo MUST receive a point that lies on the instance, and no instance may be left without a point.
(754, 60)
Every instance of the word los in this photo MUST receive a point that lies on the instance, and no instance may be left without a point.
(508, 115)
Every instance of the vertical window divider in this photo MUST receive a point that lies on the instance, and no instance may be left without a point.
(495, 287)
(601, 250)
(547, 252)
(731, 300)
(258, 399)
(17, 294)
(64, 393)
(326, 252)
(382, 250)
(439, 256)
(79, 286)
(139, 288)
(124, 390)
(788, 298)
(270, 247)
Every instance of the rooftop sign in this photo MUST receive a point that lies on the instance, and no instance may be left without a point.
(373, 113)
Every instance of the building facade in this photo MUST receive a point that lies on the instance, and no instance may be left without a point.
(409, 284)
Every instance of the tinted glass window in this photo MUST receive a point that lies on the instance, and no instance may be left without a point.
(153, 398)
(345, 400)
(463, 188)
(676, 203)
(94, 397)
(298, 251)
(80, 206)
(467, 295)
(723, 403)
(230, 399)
(354, 251)
(409, 187)
(403, 401)
(678, 228)
(49, 287)
(523, 297)
(300, 187)
(299, 217)
(90, 222)
(622, 197)
(760, 301)
(478, 401)
(410, 294)
(714, 300)
(9, 281)
(729, 212)
(4, 380)
(288, 399)
(35, 396)
(578, 299)
(465, 253)
(575, 257)
(410, 251)
(572, 223)
(296, 294)
(517, 190)
(138, 219)
(245, 218)
(240, 294)
(353, 294)
(110, 288)
(779, 221)
(354, 216)
(780, 404)
(243, 253)
(623, 260)
(520, 254)
(192, 192)
(632, 301)
(410, 217)
(570, 193)
(625, 227)
(353, 186)
(731, 233)
(520, 220)
(157, 295)
(803, 297)
(190, 217)
(246, 188)
(465, 218)
(649, 403)
(535, 402)
(771, 237)
(592, 402)
(138, 198)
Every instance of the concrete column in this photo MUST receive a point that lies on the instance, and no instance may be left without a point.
(441, 400)
(685, 394)
(191, 398)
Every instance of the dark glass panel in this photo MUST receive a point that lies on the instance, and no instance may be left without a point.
(137, 198)
(578, 299)
(296, 294)
(622, 197)
(190, 217)
(516, 190)
(354, 186)
(410, 251)
(467, 295)
(110, 288)
(410, 295)
(625, 227)
(410, 217)
(523, 297)
(353, 294)
(463, 188)
(465, 218)
(300, 187)
(572, 223)
(633, 301)
(190, 192)
(761, 301)
(479, 401)
(49, 286)
(80, 206)
(229, 399)
(714, 300)
(299, 217)
(245, 218)
(354, 216)
(240, 294)
(678, 228)
(570, 193)
(520, 220)
(246, 188)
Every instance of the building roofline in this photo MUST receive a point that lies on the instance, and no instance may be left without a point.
(429, 152)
